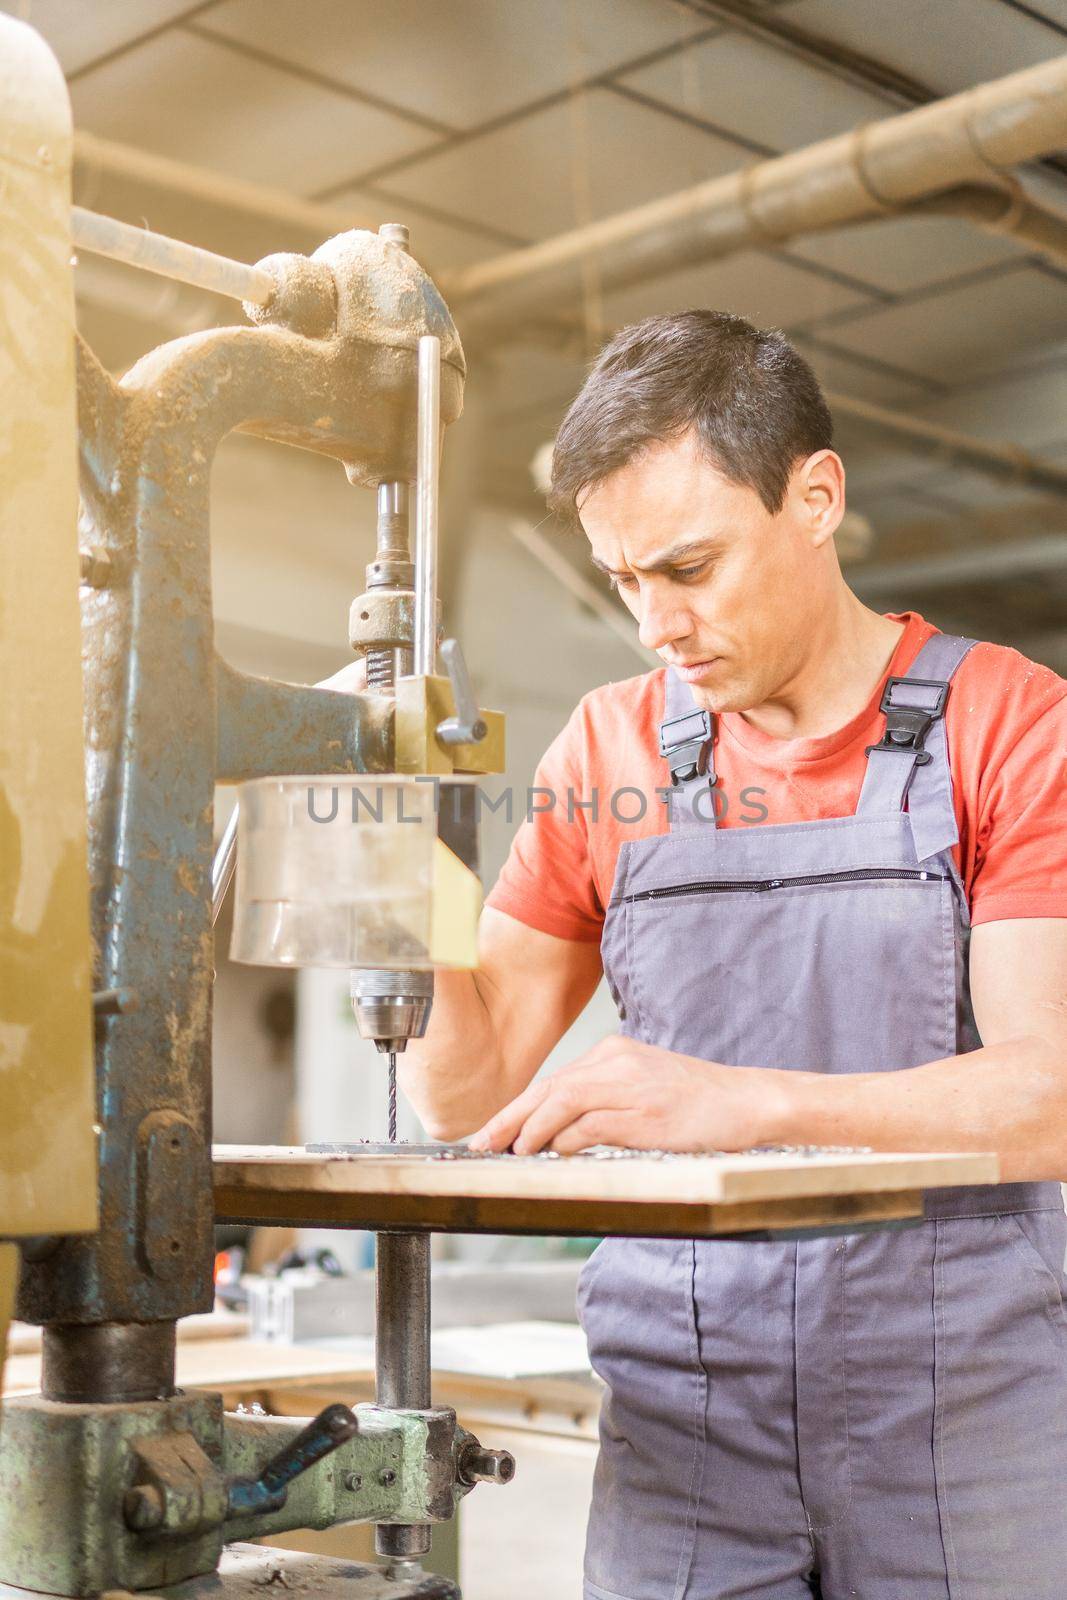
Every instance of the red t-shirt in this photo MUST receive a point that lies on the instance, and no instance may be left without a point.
(1006, 722)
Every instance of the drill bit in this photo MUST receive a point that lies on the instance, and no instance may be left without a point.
(392, 1097)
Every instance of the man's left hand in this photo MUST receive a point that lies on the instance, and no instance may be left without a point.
(637, 1096)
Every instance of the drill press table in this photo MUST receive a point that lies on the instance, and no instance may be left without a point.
(447, 1189)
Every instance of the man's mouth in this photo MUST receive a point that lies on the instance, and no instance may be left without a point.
(694, 671)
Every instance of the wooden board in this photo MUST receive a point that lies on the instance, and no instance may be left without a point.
(687, 1196)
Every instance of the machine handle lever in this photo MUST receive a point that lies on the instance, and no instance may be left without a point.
(248, 1497)
(467, 726)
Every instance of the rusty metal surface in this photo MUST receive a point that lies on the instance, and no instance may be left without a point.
(95, 1497)
(159, 709)
(366, 418)
(267, 728)
(64, 1473)
(108, 1362)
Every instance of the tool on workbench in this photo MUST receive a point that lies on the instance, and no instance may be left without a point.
(113, 1477)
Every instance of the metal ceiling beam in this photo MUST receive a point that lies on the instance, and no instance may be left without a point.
(1007, 463)
(1015, 558)
(880, 170)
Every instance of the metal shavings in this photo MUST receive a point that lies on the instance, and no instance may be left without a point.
(616, 1153)
(460, 1152)
(277, 1575)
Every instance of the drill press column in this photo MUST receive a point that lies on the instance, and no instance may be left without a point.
(402, 1356)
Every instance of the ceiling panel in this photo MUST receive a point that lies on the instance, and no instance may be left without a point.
(764, 288)
(1030, 410)
(895, 508)
(441, 246)
(906, 253)
(463, 62)
(748, 87)
(838, 370)
(950, 45)
(525, 378)
(184, 97)
(80, 32)
(585, 157)
(965, 331)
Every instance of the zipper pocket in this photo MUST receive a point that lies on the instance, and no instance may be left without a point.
(812, 880)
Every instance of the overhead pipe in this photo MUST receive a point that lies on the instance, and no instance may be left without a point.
(170, 258)
(1015, 558)
(883, 169)
(1008, 463)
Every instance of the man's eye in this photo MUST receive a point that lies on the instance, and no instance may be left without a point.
(623, 580)
(685, 573)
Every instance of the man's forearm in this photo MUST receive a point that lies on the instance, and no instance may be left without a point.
(1010, 1098)
(453, 1076)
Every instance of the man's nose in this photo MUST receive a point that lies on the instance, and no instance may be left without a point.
(661, 620)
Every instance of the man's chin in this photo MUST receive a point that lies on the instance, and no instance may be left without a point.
(718, 689)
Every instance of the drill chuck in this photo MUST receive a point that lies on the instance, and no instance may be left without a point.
(391, 1007)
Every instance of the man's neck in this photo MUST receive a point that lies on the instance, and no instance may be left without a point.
(845, 660)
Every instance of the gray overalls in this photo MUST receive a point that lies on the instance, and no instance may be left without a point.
(881, 1415)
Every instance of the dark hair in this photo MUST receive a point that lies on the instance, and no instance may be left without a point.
(754, 401)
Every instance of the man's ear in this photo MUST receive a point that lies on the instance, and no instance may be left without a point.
(820, 488)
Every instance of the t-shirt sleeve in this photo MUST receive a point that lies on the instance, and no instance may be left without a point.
(547, 879)
(1019, 860)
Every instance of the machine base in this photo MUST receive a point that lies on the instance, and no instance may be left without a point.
(246, 1571)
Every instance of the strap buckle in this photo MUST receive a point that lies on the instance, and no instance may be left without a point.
(906, 727)
(685, 743)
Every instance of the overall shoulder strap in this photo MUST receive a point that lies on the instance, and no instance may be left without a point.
(910, 761)
(687, 744)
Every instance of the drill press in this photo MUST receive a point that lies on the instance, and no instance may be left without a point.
(113, 1477)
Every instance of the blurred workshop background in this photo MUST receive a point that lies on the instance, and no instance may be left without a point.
(253, 126)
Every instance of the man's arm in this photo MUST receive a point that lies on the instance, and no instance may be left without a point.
(1009, 1097)
(491, 1029)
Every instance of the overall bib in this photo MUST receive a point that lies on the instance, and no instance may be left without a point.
(881, 1416)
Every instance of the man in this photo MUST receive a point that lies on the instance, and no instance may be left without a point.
(789, 942)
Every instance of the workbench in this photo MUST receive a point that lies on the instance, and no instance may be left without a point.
(624, 1193)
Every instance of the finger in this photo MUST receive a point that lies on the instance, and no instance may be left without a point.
(568, 1099)
(499, 1132)
(598, 1127)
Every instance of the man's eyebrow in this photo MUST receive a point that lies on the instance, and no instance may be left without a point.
(677, 557)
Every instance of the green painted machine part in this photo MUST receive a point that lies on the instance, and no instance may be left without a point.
(139, 1496)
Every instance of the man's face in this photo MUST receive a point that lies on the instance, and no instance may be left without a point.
(725, 591)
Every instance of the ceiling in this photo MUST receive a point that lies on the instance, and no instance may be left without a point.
(488, 124)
